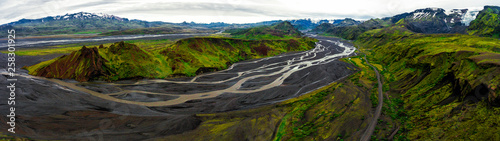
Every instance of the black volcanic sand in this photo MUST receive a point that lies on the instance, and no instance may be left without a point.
(45, 110)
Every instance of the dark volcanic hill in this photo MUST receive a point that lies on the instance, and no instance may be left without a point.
(108, 63)
(432, 20)
(80, 65)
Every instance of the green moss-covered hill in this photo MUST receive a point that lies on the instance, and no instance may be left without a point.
(276, 31)
(487, 23)
(186, 57)
(326, 26)
(351, 32)
(447, 82)
(80, 65)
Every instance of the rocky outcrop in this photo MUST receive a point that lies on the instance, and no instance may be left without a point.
(429, 20)
(81, 65)
(487, 23)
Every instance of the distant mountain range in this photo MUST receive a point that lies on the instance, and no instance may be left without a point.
(428, 20)
(67, 17)
(435, 20)
(92, 23)
(77, 23)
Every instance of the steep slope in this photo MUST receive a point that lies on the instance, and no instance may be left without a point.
(447, 82)
(322, 27)
(276, 31)
(186, 57)
(487, 23)
(195, 55)
(81, 65)
(120, 60)
(129, 61)
(429, 20)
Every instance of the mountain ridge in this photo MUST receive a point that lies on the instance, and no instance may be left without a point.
(487, 22)
(67, 16)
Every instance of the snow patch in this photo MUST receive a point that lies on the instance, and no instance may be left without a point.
(469, 16)
(419, 15)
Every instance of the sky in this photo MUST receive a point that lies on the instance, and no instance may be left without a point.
(229, 11)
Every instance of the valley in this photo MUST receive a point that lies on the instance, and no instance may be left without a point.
(243, 85)
(428, 74)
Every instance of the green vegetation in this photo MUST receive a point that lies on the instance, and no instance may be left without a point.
(327, 26)
(352, 32)
(219, 52)
(445, 82)
(487, 23)
(334, 112)
(186, 57)
(282, 30)
(148, 45)
(161, 58)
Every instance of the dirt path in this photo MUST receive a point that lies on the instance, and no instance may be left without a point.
(371, 127)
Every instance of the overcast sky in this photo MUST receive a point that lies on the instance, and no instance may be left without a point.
(230, 11)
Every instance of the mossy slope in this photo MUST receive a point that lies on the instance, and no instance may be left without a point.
(276, 31)
(487, 23)
(352, 32)
(449, 91)
(339, 111)
(186, 57)
(81, 65)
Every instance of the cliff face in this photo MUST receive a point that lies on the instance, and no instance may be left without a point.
(446, 81)
(81, 65)
(429, 20)
(487, 23)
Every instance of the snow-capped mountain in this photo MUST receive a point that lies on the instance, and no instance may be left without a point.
(464, 16)
(437, 20)
(426, 13)
(79, 15)
(75, 23)
(453, 16)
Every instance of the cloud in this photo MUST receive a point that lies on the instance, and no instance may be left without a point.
(232, 11)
